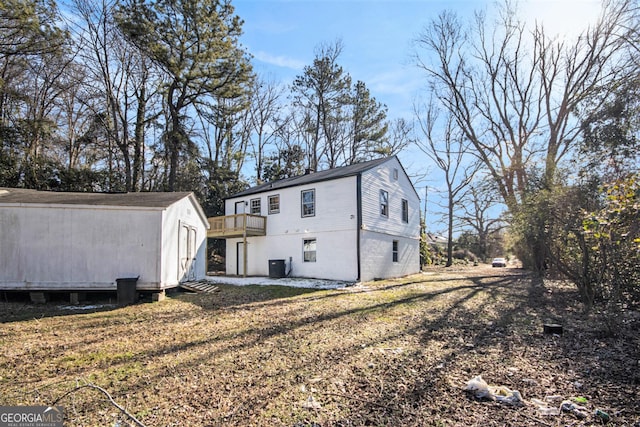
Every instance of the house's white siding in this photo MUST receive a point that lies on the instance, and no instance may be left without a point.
(379, 231)
(334, 226)
(378, 261)
(383, 178)
(81, 247)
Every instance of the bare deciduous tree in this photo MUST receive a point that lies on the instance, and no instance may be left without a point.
(266, 119)
(479, 213)
(450, 151)
(513, 93)
(120, 87)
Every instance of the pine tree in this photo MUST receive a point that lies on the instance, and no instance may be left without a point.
(196, 43)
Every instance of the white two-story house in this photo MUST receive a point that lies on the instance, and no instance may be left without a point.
(355, 223)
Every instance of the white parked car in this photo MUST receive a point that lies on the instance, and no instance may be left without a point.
(499, 262)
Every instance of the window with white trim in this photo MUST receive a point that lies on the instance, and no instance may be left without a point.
(254, 208)
(405, 210)
(309, 250)
(384, 203)
(274, 204)
(395, 251)
(308, 199)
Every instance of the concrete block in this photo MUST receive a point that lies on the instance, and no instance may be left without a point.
(38, 297)
(158, 296)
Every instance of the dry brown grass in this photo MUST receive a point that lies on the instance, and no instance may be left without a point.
(389, 353)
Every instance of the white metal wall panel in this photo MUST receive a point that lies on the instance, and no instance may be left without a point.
(77, 248)
(178, 214)
(88, 247)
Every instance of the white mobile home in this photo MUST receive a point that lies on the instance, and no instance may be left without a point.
(57, 241)
(355, 223)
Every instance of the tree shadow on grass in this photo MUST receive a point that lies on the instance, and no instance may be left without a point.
(232, 296)
(253, 336)
(421, 391)
(17, 307)
(380, 386)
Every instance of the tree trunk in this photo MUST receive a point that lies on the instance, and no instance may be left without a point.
(450, 233)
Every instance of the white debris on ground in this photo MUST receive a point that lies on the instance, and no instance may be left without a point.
(86, 307)
(294, 282)
(482, 390)
(311, 403)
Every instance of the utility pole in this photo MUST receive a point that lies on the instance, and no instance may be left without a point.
(426, 197)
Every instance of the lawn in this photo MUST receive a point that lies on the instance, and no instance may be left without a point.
(386, 353)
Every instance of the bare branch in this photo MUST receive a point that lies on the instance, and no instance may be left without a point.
(109, 397)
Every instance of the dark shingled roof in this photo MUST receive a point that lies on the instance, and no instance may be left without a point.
(326, 175)
(155, 200)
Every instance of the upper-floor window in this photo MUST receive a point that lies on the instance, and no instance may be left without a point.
(395, 174)
(254, 206)
(405, 210)
(384, 203)
(274, 204)
(308, 198)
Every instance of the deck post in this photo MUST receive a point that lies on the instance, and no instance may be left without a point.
(244, 245)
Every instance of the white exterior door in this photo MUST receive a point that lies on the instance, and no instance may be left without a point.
(239, 209)
(187, 252)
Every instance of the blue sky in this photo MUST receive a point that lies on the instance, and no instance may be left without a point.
(377, 36)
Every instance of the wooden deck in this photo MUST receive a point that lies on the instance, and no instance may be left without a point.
(239, 225)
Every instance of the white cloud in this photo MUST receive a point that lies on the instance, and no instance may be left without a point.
(399, 81)
(564, 18)
(279, 60)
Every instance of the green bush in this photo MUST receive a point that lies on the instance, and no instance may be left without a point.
(612, 236)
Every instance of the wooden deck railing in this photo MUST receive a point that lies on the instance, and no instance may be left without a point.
(238, 225)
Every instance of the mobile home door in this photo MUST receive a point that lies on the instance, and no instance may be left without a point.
(187, 252)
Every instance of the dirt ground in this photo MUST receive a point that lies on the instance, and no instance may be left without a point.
(386, 353)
